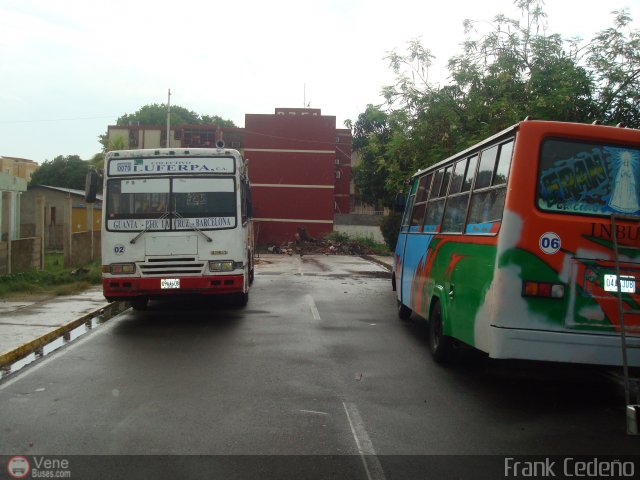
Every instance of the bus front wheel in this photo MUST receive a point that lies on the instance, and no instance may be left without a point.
(139, 303)
(441, 345)
(404, 312)
(240, 299)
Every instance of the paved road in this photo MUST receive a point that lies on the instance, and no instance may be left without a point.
(317, 364)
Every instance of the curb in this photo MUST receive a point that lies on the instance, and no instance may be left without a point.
(376, 261)
(28, 348)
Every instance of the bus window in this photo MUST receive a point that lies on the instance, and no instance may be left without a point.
(470, 173)
(445, 182)
(433, 216)
(487, 164)
(588, 178)
(423, 189)
(417, 216)
(420, 202)
(457, 177)
(486, 208)
(455, 213)
(137, 198)
(437, 182)
(406, 218)
(504, 162)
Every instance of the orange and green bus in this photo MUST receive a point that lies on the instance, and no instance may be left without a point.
(508, 246)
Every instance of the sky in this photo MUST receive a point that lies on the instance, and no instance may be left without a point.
(70, 68)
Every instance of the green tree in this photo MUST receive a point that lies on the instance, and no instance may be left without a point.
(614, 57)
(504, 73)
(63, 171)
(156, 114)
(371, 134)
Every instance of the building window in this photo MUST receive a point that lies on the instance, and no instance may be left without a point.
(338, 174)
(53, 215)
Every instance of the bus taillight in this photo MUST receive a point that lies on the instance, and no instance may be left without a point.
(542, 289)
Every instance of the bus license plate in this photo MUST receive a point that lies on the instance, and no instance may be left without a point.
(170, 283)
(627, 284)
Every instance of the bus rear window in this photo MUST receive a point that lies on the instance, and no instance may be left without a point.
(588, 178)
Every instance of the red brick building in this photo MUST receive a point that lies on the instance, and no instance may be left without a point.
(343, 171)
(292, 166)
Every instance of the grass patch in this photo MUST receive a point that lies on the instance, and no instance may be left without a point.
(54, 280)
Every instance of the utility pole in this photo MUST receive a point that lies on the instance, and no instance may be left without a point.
(168, 142)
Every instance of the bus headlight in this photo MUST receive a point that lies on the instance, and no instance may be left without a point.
(221, 265)
(119, 268)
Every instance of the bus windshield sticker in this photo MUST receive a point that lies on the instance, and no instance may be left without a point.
(177, 165)
(589, 179)
(203, 223)
(138, 224)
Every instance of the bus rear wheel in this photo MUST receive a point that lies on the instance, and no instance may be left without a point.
(441, 345)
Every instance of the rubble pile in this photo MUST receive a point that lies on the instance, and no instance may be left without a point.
(303, 244)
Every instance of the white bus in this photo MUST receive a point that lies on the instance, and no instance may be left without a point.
(175, 222)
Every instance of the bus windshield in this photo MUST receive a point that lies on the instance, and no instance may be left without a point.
(588, 178)
(181, 203)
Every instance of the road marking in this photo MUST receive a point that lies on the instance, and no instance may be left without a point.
(312, 306)
(315, 412)
(367, 453)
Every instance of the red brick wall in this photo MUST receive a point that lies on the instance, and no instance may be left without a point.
(289, 155)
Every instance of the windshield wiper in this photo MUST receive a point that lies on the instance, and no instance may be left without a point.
(135, 239)
(193, 227)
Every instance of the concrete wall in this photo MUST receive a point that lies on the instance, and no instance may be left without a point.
(356, 225)
(26, 254)
(355, 231)
(80, 249)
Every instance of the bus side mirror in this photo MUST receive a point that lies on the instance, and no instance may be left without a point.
(91, 186)
(399, 203)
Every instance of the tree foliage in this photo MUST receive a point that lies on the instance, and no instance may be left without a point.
(63, 171)
(503, 73)
(615, 63)
(156, 114)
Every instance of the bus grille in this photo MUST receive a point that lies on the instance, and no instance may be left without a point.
(154, 267)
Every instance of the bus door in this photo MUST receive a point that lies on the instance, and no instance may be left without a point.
(403, 286)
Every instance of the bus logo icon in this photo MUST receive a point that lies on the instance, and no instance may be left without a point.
(18, 467)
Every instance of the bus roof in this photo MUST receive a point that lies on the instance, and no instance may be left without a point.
(477, 146)
(566, 126)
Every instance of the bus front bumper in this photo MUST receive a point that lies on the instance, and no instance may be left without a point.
(125, 288)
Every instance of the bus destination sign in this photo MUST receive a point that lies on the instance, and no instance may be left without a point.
(171, 165)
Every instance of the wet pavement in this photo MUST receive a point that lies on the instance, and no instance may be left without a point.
(317, 364)
(28, 325)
